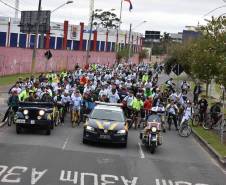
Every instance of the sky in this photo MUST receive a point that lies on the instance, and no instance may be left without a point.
(161, 15)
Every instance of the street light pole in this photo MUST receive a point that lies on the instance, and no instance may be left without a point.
(130, 33)
(36, 39)
(89, 41)
(68, 2)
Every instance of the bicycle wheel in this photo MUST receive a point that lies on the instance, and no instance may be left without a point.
(207, 123)
(10, 119)
(195, 120)
(185, 130)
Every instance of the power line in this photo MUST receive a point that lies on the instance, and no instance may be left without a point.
(10, 6)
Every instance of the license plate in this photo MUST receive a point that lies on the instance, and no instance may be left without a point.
(20, 121)
(105, 137)
(32, 122)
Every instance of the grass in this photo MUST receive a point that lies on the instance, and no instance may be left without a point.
(11, 79)
(212, 139)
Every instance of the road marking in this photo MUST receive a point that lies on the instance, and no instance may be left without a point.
(65, 143)
(142, 156)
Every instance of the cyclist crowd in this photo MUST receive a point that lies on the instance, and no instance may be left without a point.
(135, 86)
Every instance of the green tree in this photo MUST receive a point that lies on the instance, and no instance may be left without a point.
(106, 19)
(142, 55)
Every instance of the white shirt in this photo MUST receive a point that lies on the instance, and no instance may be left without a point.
(113, 98)
(17, 89)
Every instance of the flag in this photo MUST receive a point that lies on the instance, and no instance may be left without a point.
(131, 6)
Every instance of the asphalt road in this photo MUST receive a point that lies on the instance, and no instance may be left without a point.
(34, 158)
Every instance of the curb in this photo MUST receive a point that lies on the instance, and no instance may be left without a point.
(221, 160)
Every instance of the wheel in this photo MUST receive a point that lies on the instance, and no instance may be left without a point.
(48, 132)
(124, 145)
(195, 120)
(207, 124)
(10, 119)
(73, 124)
(130, 124)
(185, 130)
(84, 141)
(152, 149)
(18, 129)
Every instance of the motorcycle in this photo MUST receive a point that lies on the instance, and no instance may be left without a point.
(151, 135)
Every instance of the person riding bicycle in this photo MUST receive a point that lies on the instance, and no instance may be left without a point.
(66, 99)
(188, 112)
(172, 111)
(24, 94)
(215, 112)
(128, 101)
(170, 84)
(76, 102)
(136, 105)
(184, 87)
(203, 105)
(13, 102)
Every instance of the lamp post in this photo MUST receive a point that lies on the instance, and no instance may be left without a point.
(89, 41)
(68, 2)
(130, 33)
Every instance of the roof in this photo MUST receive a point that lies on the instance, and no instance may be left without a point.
(108, 107)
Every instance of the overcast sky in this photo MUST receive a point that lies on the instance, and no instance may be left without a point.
(164, 15)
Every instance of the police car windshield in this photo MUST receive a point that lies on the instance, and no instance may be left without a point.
(107, 115)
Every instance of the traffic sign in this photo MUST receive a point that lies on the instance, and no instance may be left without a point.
(178, 69)
(48, 55)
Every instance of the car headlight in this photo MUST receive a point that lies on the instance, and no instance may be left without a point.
(121, 132)
(89, 128)
(154, 129)
(25, 112)
(41, 112)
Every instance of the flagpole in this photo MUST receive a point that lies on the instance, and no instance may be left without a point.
(120, 17)
(119, 27)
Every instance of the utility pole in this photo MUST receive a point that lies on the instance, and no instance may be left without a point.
(16, 8)
(89, 41)
(36, 39)
(130, 33)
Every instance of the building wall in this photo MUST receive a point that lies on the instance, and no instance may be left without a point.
(18, 60)
(15, 38)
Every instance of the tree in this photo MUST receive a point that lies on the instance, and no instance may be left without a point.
(106, 19)
(122, 54)
(142, 55)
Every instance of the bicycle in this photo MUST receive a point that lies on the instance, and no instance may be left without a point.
(196, 117)
(75, 116)
(10, 118)
(185, 129)
(211, 123)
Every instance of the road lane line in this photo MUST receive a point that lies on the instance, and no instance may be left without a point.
(142, 156)
(65, 143)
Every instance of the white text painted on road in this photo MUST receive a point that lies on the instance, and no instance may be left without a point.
(170, 182)
(15, 174)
